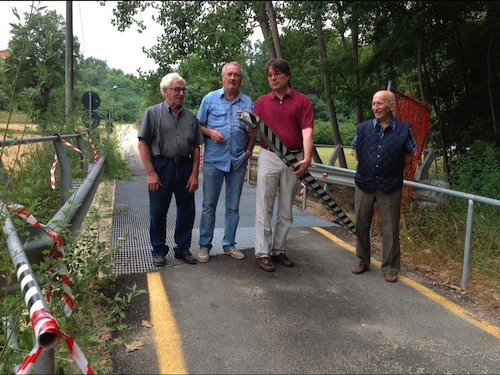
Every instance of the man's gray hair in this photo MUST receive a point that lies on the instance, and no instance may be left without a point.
(223, 71)
(167, 80)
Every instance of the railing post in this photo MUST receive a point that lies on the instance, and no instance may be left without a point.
(64, 164)
(83, 156)
(45, 363)
(468, 243)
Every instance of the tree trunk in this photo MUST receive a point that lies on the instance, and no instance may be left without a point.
(259, 8)
(274, 28)
(356, 79)
(489, 64)
(318, 24)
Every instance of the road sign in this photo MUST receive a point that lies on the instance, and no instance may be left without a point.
(91, 100)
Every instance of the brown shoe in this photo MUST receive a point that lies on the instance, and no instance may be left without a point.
(390, 278)
(282, 259)
(360, 268)
(265, 264)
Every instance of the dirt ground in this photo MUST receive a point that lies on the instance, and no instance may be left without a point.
(14, 131)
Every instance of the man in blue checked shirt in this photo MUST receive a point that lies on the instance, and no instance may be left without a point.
(384, 147)
(228, 146)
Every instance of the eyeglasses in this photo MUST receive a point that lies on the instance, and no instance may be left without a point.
(177, 89)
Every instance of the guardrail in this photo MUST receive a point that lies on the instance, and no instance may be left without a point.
(27, 248)
(331, 175)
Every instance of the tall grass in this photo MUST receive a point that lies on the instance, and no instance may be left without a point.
(433, 241)
(88, 256)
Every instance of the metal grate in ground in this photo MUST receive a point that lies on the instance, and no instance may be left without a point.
(130, 228)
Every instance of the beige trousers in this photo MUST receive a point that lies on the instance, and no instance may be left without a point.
(274, 180)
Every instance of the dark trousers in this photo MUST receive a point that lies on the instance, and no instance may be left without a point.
(173, 177)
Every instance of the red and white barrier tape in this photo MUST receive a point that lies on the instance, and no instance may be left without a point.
(44, 324)
(54, 164)
(55, 252)
(94, 149)
(66, 143)
(302, 189)
(53, 173)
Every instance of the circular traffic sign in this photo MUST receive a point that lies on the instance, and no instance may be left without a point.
(91, 100)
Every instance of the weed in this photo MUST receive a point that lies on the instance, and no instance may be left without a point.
(88, 257)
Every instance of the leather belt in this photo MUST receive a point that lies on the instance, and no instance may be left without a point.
(177, 159)
(292, 151)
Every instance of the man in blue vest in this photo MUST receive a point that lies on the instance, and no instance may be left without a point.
(384, 147)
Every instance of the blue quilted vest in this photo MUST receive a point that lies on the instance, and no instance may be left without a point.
(381, 161)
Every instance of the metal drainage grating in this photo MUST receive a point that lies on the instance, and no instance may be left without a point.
(130, 228)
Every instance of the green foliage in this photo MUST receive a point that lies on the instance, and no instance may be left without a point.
(122, 95)
(323, 132)
(116, 165)
(477, 171)
(34, 193)
(35, 66)
(88, 257)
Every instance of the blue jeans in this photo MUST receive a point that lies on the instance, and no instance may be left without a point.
(213, 179)
(173, 179)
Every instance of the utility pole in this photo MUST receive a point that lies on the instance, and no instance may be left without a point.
(69, 67)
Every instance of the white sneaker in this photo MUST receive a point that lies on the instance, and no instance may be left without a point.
(235, 253)
(203, 256)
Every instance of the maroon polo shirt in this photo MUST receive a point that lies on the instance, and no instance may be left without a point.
(286, 118)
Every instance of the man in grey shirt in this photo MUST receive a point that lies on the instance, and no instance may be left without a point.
(169, 146)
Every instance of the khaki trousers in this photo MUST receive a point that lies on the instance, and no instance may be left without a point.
(274, 180)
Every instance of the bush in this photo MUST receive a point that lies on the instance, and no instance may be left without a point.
(323, 132)
(478, 172)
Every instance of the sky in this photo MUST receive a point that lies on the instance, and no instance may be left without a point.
(97, 36)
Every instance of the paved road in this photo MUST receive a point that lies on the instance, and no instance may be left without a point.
(228, 316)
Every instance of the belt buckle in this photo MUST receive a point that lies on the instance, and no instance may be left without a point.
(177, 160)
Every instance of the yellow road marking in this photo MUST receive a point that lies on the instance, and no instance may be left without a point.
(166, 334)
(455, 309)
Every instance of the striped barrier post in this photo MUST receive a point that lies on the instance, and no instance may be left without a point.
(45, 327)
(55, 252)
(275, 144)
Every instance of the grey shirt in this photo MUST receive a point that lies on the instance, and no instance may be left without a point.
(167, 136)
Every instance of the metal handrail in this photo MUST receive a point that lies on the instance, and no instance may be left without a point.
(342, 176)
(74, 207)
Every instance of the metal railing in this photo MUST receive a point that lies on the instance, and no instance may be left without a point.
(28, 249)
(331, 175)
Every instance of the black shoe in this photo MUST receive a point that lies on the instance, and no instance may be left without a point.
(282, 259)
(186, 257)
(159, 260)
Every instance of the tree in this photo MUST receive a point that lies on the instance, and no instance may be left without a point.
(35, 68)
(215, 31)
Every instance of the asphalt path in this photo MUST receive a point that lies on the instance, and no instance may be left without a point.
(229, 317)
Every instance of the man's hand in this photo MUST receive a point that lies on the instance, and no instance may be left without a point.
(192, 183)
(216, 136)
(153, 181)
(301, 167)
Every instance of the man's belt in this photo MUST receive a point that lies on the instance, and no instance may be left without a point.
(275, 145)
(177, 159)
(292, 151)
